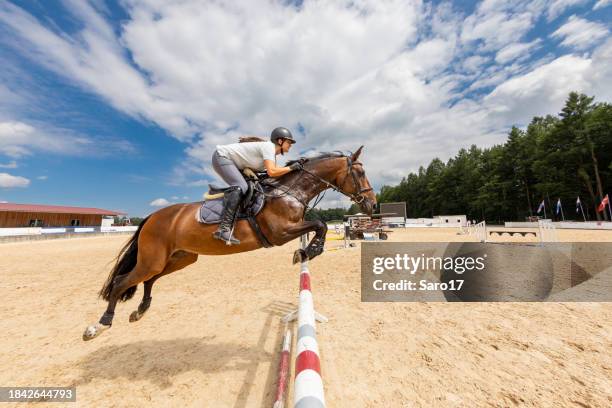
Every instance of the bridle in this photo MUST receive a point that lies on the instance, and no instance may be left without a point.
(357, 197)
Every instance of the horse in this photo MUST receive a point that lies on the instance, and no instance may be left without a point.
(171, 238)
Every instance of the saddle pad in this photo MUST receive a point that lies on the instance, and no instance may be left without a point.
(210, 211)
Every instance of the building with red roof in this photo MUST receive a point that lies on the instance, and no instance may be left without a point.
(14, 215)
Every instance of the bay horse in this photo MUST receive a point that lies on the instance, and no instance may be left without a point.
(172, 238)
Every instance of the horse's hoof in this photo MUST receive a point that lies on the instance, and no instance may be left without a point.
(94, 331)
(299, 256)
(135, 316)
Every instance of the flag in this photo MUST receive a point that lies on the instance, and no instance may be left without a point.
(603, 204)
(558, 205)
(541, 207)
(578, 205)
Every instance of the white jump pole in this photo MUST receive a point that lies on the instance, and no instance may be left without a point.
(308, 390)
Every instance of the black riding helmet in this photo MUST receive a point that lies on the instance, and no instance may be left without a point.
(281, 133)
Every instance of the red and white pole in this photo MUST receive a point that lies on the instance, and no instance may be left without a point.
(283, 371)
(308, 391)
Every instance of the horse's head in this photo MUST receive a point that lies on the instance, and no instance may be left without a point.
(339, 172)
(352, 181)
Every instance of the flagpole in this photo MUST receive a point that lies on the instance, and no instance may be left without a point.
(582, 211)
(562, 215)
(589, 212)
(545, 217)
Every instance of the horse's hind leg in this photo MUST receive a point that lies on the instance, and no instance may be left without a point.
(146, 300)
(148, 265)
(121, 284)
(177, 261)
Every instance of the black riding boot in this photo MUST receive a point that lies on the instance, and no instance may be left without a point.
(231, 201)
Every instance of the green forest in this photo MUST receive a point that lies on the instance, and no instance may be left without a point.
(562, 157)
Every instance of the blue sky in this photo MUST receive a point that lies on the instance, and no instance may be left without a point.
(119, 105)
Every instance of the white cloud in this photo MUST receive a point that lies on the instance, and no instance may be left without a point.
(3, 201)
(213, 64)
(10, 181)
(601, 4)
(10, 165)
(491, 77)
(514, 51)
(496, 29)
(159, 202)
(541, 91)
(19, 139)
(349, 72)
(474, 63)
(599, 74)
(558, 7)
(8, 96)
(334, 200)
(580, 33)
(42, 177)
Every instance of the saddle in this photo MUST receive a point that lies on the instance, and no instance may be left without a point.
(252, 178)
(253, 182)
(252, 203)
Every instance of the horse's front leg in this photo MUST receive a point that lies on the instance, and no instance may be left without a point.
(315, 246)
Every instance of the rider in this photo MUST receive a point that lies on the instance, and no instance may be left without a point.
(229, 160)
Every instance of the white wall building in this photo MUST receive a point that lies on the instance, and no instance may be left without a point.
(452, 220)
(438, 221)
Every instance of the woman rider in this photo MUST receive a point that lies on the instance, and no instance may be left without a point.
(229, 160)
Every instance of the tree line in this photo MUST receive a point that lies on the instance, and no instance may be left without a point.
(554, 158)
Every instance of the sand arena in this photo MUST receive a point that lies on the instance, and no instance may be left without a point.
(212, 334)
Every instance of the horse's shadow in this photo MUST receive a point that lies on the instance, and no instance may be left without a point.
(158, 361)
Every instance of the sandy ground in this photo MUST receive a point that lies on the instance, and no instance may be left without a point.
(213, 331)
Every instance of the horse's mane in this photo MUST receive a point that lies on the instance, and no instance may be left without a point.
(321, 156)
(275, 182)
(249, 139)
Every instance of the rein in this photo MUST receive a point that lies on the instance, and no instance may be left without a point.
(355, 197)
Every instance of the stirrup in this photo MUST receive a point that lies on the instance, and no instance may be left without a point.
(228, 241)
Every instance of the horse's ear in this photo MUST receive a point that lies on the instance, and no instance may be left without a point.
(355, 155)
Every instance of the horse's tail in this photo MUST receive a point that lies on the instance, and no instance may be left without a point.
(125, 262)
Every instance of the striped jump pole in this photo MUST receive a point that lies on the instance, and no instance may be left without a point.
(283, 371)
(308, 390)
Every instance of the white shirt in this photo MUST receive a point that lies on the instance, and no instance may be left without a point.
(249, 154)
